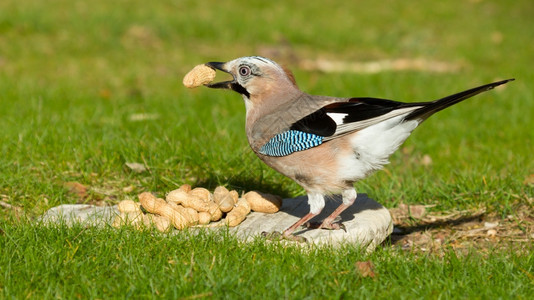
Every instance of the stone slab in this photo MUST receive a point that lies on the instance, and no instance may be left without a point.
(86, 214)
(367, 222)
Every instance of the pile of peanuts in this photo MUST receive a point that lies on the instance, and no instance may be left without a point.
(186, 207)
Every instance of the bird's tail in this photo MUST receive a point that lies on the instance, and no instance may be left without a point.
(433, 107)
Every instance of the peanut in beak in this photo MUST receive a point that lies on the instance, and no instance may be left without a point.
(199, 75)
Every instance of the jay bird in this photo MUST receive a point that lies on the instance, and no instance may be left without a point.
(323, 143)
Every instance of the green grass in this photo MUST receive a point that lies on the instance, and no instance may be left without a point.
(101, 263)
(72, 75)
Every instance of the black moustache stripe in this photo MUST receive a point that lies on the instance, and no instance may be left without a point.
(240, 89)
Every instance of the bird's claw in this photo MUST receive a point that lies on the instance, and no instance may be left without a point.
(330, 226)
(278, 236)
(275, 235)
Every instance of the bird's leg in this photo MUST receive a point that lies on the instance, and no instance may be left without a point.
(349, 196)
(289, 231)
(316, 202)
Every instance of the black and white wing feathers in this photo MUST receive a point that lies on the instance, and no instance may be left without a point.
(340, 118)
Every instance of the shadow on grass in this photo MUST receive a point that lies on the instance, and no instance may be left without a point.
(404, 230)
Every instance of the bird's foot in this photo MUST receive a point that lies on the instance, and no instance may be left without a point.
(278, 236)
(333, 226)
(327, 224)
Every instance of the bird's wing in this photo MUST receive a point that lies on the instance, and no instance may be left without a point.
(341, 118)
(334, 120)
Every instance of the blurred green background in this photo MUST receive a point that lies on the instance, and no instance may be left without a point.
(86, 86)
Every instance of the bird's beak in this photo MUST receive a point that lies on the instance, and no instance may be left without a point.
(223, 84)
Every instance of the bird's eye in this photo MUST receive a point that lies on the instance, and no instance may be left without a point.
(244, 71)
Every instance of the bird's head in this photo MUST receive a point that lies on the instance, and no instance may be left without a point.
(257, 79)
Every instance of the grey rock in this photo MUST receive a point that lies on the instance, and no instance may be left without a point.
(85, 214)
(367, 223)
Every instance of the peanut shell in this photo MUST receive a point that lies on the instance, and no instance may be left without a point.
(202, 193)
(189, 214)
(160, 222)
(185, 187)
(199, 75)
(204, 218)
(224, 198)
(190, 199)
(128, 218)
(238, 214)
(214, 211)
(159, 206)
(129, 206)
(261, 202)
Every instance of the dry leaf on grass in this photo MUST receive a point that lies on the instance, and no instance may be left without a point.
(465, 230)
(10, 206)
(417, 211)
(404, 211)
(76, 188)
(365, 269)
(143, 117)
(490, 225)
(426, 160)
(136, 167)
(529, 180)
(128, 189)
(491, 232)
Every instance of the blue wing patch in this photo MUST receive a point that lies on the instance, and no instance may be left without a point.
(290, 141)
